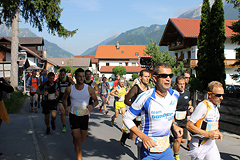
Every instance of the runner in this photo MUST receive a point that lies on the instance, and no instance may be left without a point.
(104, 93)
(157, 107)
(203, 123)
(110, 83)
(63, 82)
(119, 92)
(88, 81)
(126, 83)
(80, 109)
(182, 111)
(43, 78)
(50, 92)
(33, 83)
(132, 94)
(115, 83)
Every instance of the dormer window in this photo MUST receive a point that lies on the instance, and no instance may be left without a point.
(122, 51)
(136, 54)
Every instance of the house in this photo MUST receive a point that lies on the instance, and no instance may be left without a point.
(110, 56)
(181, 37)
(71, 62)
(94, 63)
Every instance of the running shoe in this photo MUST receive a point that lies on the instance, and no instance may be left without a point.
(112, 121)
(106, 112)
(48, 130)
(35, 110)
(31, 110)
(64, 130)
(100, 109)
(53, 125)
(107, 103)
(124, 128)
(188, 148)
(177, 157)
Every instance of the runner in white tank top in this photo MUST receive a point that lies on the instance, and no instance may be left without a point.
(80, 109)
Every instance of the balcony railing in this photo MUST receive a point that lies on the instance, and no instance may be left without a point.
(191, 63)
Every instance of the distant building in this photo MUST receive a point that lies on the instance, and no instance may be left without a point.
(94, 63)
(181, 36)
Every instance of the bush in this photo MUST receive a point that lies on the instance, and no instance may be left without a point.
(134, 76)
(15, 102)
(119, 70)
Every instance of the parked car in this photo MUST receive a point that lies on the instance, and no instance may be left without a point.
(233, 90)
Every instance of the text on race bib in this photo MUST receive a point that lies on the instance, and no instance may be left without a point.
(211, 126)
(63, 89)
(180, 115)
(80, 111)
(162, 144)
(51, 96)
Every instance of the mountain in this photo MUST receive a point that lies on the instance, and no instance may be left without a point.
(53, 50)
(229, 12)
(92, 50)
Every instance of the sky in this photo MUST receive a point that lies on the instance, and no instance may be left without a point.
(97, 20)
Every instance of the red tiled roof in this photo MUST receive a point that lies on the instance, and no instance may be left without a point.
(191, 27)
(93, 59)
(124, 51)
(130, 69)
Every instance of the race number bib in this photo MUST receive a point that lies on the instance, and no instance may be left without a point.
(80, 111)
(63, 89)
(180, 115)
(51, 96)
(211, 126)
(121, 98)
(33, 89)
(162, 144)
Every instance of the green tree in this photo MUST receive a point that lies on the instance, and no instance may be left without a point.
(152, 49)
(119, 70)
(134, 76)
(236, 37)
(203, 43)
(37, 13)
(211, 66)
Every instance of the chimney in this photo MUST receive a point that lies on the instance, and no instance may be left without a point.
(118, 43)
(45, 53)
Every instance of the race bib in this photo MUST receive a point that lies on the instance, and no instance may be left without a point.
(80, 111)
(121, 98)
(51, 96)
(211, 126)
(180, 115)
(63, 89)
(162, 144)
(33, 89)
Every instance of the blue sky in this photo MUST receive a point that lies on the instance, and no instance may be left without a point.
(97, 20)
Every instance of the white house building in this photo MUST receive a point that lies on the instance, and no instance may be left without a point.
(181, 37)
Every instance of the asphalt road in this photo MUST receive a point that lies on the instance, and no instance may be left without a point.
(25, 139)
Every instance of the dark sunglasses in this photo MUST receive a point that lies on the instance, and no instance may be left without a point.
(217, 95)
(164, 75)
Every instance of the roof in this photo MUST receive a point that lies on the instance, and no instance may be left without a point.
(28, 40)
(130, 69)
(30, 51)
(124, 51)
(75, 62)
(93, 59)
(190, 28)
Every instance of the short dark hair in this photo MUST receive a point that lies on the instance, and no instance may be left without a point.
(50, 74)
(141, 72)
(185, 72)
(63, 70)
(156, 68)
(179, 78)
(79, 70)
(88, 71)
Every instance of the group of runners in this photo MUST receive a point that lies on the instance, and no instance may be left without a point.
(154, 115)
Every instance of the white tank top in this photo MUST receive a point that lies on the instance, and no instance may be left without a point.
(79, 100)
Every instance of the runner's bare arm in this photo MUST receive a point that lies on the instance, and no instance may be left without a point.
(130, 94)
(93, 95)
(64, 100)
(71, 80)
(96, 87)
(113, 92)
(193, 128)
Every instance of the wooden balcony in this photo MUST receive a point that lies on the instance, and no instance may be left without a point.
(191, 63)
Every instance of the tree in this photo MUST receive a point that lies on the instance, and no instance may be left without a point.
(119, 70)
(152, 49)
(37, 13)
(236, 38)
(134, 76)
(211, 57)
(203, 43)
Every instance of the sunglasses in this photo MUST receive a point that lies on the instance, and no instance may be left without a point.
(164, 75)
(217, 95)
(187, 77)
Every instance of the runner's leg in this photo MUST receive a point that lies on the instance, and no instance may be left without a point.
(62, 110)
(77, 136)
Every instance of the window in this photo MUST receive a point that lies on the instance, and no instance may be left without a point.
(126, 63)
(136, 53)
(133, 64)
(107, 64)
(120, 64)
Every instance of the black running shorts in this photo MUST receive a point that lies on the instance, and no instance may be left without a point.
(78, 122)
(48, 106)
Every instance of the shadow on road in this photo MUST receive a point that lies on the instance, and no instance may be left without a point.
(227, 156)
(105, 149)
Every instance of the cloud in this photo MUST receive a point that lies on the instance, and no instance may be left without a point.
(89, 5)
